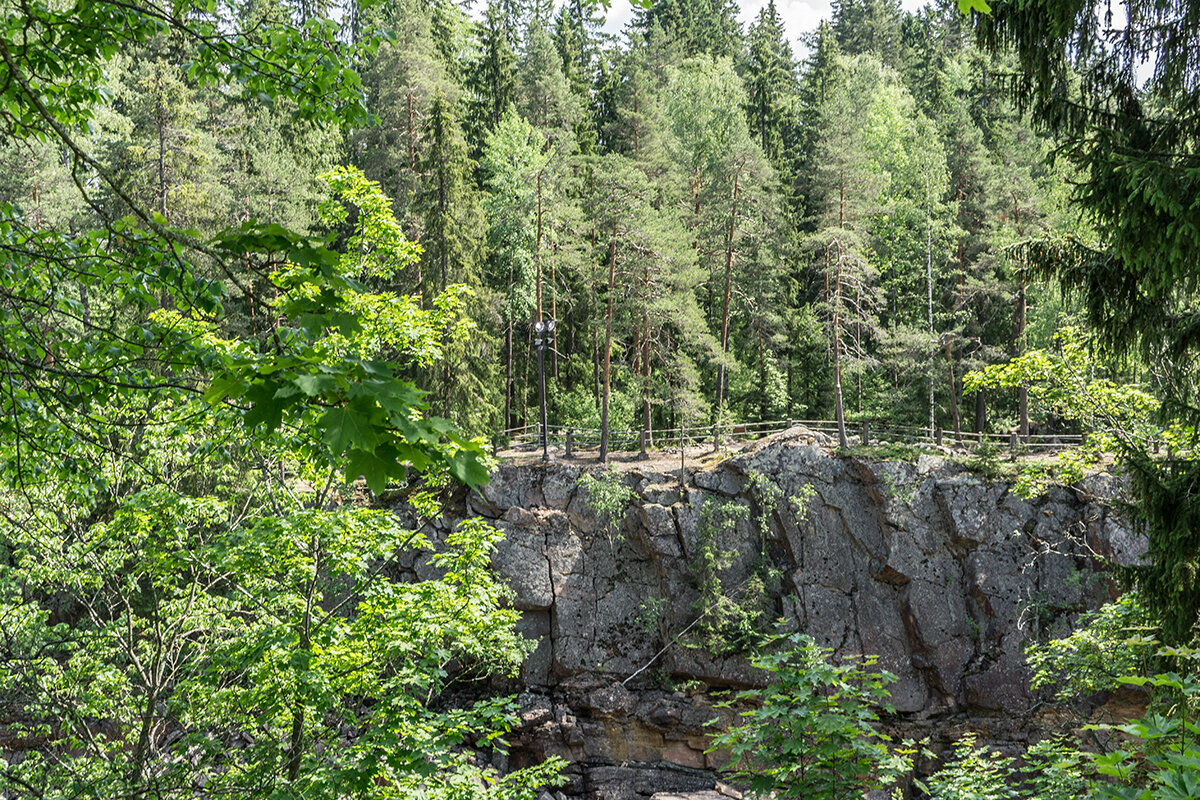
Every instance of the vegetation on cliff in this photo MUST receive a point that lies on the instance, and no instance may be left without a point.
(252, 251)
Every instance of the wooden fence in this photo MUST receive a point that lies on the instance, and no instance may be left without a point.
(571, 441)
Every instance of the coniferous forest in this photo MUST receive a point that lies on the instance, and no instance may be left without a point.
(266, 263)
(720, 227)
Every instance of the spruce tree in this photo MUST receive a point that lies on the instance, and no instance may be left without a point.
(491, 79)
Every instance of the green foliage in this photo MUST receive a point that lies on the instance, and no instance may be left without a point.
(809, 733)
(888, 451)
(267, 639)
(1163, 759)
(766, 494)
(1057, 770)
(650, 614)
(192, 601)
(1133, 161)
(728, 619)
(1073, 382)
(1107, 645)
(608, 496)
(1169, 508)
(801, 501)
(991, 461)
(900, 492)
(974, 774)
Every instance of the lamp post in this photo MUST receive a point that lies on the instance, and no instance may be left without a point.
(543, 337)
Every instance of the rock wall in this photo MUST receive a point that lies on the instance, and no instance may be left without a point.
(941, 573)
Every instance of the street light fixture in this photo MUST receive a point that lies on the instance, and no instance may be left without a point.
(543, 338)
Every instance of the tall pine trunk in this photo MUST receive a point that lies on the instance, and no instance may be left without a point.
(1019, 336)
(644, 360)
(954, 412)
(608, 318)
(929, 289)
(726, 295)
(838, 407)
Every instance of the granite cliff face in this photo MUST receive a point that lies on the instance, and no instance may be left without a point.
(938, 571)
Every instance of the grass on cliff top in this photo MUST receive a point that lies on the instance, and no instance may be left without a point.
(892, 451)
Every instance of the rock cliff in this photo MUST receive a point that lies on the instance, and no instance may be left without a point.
(940, 572)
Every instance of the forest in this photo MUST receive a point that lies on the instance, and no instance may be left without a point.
(720, 229)
(253, 251)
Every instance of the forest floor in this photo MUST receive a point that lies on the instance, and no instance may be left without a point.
(664, 460)
(995, 464)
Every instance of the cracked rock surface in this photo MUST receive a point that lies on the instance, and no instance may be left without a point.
(939, 572)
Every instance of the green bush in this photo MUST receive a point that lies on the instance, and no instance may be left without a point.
(608, 497)
(728, 621)
(809, 733)
(1162, 760)
(974, 774)
(1109, 644)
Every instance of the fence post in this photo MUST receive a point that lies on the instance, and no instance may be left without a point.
(569, 447)
(866, 433)
(937, 437)
(789, 423)
(1012, 444)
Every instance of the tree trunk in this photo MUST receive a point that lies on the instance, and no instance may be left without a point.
(728, 292)
(412, 145)
(160, 114)
(608, 317)
(554, 315)
(1019, 336)
(644, 358)
(1019, 348)
(141, 750)
(790, 389)
(838, 408)
(858, 373)
(508, 375)
(296, 738)
(763, 405)
(954, 413)
(537, 248)
(929, 288)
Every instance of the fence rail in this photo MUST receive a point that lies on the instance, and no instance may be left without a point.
(570, 439)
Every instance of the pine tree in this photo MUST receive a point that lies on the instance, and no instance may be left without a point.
(648, 274)
(869, 27)
(168, 160)
(729, 185)
(819, 74)
(544, 95)
(514, 155)
(849, 191)
(402, 80)
(576, 36)
(708, 27)
(771, 86)
(491, 80)
(465, 380)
